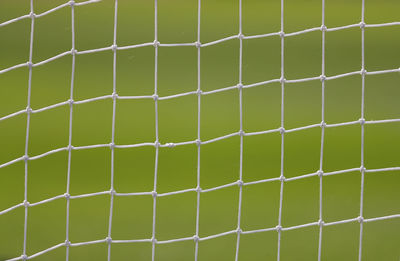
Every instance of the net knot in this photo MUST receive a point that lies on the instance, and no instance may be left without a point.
(32, 15)
(26, 203)
(108, 240)
(241, 133)
(281, 34)
(67, 243)
(320, 173)
(198, 142)
(323, 28)
(70, 102)
(240, 182)
(72, 3)
(196, 238)
(282, 178)
(67, 195)
(282, 80)
(114, 47)
(156, 43)
(29, 64)
(113, 191)
(239, 231)
(154, 240)
(157, 144)
(239, 86)
(322, 77)
(25, 157)
(360, 219)
(362, 169)
(321, 223)
(362, 121)
(28, 110)
(197, 44)
(362, 25)
(198, 189)
(24, 257)
(74, 51)
(199, 92)
(70, 147)
(278, 228)
(170, 145)
(323, 124)
(240, 36)
(154, 194)
(282, 130)
(155, 97)
(112, 145)
(363, 72)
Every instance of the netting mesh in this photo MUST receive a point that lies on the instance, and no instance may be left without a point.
(322, 77)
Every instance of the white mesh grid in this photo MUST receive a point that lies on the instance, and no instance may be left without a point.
(198, 142)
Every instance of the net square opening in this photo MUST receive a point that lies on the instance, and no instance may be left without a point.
(260, 206)
(173, 172)
(177, 119)
(48, 130)
(300, 203)
(260, 57)
(303, 55)
(135, 71)
(87, 166)
(218, 211)
(52, 34)
(341, 196)
(177, 70)
(343, 51)
(46, 226)
(177, 25)
(220, 114)
(132, 217)
(88, 220)
(220, 65)
(134, 169)
(134, 121)
(219, 162)
(261, 156)
(94, 25)
(176, 216)
(92, 123)
(47, 176)
(93, 75)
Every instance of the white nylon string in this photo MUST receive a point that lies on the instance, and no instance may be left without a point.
(240, 183)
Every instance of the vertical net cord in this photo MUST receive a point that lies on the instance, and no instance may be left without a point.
(282, 130)
(112, 144)
(157, 143)
(321, 158)
(28, 119)
(362, 168)
(240, 86)
(71, 99)
(198, 188)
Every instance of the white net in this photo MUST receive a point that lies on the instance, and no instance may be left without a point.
(71, 102)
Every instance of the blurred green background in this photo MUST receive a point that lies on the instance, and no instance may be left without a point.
(135, 123)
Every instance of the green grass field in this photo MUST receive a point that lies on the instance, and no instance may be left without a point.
(177, 167)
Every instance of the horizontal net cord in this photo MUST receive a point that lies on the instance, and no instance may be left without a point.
(224, 89)
(197, 142)
(195, 238)
(29, 16)
(198, 189)
(195, 44)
